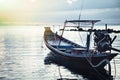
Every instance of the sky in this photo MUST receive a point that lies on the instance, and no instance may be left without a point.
(57, 11)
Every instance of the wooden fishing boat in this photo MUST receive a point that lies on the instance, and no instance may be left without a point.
(77, 56)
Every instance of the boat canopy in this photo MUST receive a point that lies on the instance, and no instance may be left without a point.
(80, 23)
(84, 21)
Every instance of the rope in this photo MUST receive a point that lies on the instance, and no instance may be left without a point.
(80, 18)
(81, 38)
(95, 66)
(101, 77)
(59, 72)
(81, 10)
(109, 69)
(114, 68)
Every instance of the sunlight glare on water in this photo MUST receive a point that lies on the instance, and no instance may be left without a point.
(22, 54)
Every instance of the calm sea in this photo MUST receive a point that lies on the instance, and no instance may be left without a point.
(23, 56)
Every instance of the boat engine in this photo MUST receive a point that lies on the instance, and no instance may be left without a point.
(102, 41)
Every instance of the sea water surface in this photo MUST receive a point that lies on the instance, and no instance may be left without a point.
(23, 54)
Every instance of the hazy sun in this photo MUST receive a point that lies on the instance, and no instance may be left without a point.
(71, 1)
(33, 0)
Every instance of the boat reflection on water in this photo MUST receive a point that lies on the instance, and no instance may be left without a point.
(87, 75)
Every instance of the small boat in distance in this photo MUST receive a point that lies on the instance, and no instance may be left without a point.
(77, 56)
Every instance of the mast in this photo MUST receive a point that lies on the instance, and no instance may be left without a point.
(80, 13)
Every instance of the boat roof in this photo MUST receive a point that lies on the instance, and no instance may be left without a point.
(83, 21)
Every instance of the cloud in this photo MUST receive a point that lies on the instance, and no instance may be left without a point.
(58, 11)
(106, 14)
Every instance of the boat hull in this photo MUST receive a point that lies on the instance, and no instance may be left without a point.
(81, 63)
